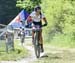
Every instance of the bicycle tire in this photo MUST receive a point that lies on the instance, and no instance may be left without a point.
(36, 45)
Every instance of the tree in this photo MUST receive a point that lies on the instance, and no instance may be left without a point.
(60, 16)
(28, 4)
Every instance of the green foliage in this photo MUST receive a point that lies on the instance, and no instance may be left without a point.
(28, 4)
(61, 21)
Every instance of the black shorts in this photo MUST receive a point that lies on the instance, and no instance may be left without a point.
(37, 23)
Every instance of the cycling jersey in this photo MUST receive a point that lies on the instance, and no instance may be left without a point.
(36, 18)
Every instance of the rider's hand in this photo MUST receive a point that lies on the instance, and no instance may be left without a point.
(44, 24)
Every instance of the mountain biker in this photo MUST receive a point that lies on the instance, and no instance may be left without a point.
(36, 17)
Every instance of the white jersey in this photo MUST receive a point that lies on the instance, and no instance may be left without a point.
(36, 18)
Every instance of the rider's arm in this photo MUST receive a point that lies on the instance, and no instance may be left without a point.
(44, 19)
(29, 19)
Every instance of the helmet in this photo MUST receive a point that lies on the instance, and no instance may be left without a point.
(37, 8)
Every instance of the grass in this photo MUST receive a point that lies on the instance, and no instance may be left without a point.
(59, 50)
(57, 55)
(17, 54)
(61, 40)
(2, 45)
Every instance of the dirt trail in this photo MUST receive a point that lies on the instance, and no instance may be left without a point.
(65, 55)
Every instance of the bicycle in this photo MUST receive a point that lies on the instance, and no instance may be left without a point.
(36, 43)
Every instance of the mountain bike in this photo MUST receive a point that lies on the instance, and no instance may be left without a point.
(36, 43)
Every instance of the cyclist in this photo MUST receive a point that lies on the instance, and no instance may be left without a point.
(36, 17)
(22, 35)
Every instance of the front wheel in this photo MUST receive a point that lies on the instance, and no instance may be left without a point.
(36, 45)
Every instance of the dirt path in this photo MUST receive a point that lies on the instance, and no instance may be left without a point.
(56, 55)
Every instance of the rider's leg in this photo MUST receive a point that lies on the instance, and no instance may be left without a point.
(41, 41)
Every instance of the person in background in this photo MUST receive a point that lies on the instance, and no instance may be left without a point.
(22, 35)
